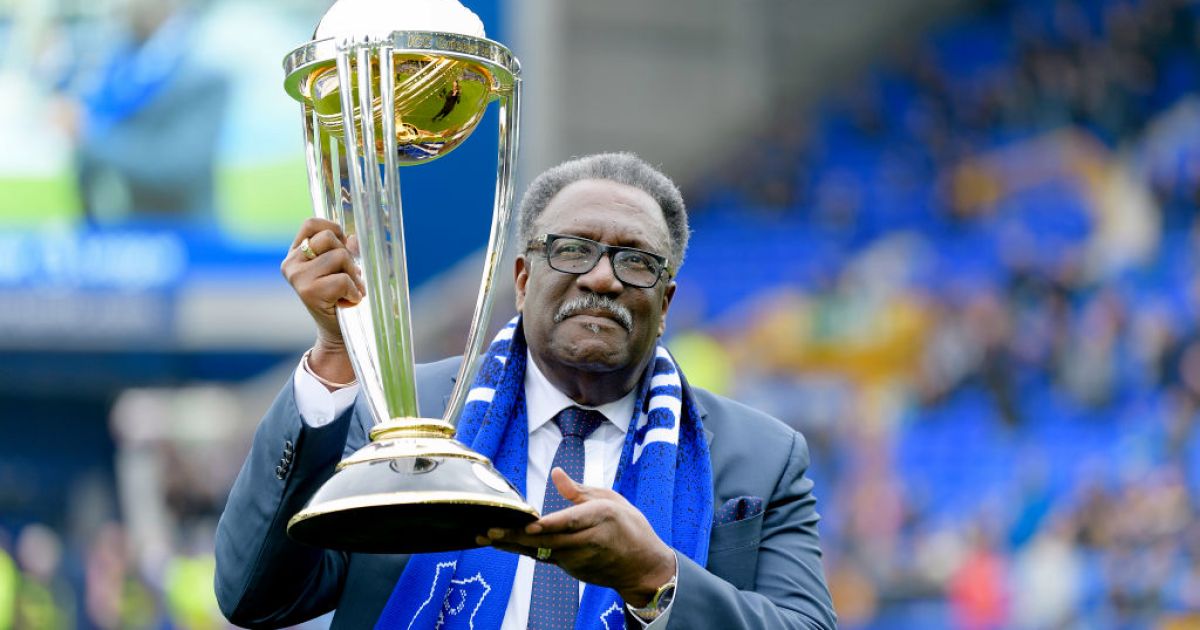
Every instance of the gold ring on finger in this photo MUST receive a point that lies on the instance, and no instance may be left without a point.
(307, 250)
(543, 553)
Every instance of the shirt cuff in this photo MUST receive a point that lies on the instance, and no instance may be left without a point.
(317, 405)
(661, 621)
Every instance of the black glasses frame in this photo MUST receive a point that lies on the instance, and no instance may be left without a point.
(546, 240)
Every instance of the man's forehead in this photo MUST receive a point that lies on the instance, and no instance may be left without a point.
(606, 200)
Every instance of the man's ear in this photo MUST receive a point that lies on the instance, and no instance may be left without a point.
(520, 278)
(668, 294)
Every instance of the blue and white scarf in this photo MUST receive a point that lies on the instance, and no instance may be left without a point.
(664, 471)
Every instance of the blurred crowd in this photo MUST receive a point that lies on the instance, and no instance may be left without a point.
(144, 557)
(105, 590)
(979, 303)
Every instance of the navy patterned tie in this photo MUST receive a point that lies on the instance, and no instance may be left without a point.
(555, 598)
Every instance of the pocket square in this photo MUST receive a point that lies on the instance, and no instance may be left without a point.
(738, 509)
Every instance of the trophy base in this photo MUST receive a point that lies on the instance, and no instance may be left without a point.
(412, 489)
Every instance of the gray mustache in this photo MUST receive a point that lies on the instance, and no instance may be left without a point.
(594, 302)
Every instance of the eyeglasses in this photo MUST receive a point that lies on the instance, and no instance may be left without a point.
(575, 255)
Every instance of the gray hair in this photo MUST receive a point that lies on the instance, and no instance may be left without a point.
(622, 168)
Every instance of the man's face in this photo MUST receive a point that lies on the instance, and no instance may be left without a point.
(594, 339)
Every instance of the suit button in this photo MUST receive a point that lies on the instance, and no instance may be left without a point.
(287, 446)
(280, 471)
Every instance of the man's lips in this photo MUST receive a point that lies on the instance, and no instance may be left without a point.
(598, 313)
(603, 318)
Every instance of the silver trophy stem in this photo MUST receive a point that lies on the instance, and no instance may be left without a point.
(329, 175)
(400, 300)
(326, 170)
(510, 112)
(314, 161)
(379, 234)
(360, 331)
(325, 158)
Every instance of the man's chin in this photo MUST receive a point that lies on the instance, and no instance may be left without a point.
(602, 350)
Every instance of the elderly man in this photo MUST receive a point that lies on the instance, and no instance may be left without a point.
(664, 505)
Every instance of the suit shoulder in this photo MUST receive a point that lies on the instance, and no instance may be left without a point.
(438, 370)
(725, 415)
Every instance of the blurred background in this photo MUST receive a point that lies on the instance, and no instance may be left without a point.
(951, 242)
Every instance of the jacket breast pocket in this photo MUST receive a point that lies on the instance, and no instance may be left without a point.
(733, 551)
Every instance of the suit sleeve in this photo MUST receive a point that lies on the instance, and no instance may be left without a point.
(789, 588)
(263, 578)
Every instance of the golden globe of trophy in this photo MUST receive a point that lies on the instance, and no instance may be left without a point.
(386, 84)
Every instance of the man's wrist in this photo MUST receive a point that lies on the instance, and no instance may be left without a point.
(330, 364)
(641, 594)
(659, 605)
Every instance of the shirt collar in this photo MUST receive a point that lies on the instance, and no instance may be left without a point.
(543, 401)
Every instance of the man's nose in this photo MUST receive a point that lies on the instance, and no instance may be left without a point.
(602, 278)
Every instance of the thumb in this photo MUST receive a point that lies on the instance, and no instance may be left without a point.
(567, 487)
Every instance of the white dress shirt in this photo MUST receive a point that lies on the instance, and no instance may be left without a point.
(602, 454)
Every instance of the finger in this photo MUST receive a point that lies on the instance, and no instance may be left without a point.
(339, 259)
(313, 226)
(572, 519)
(571, 491)
(336, 261)
(564, 541)
(325, 241)
(561, 554)
(517, 549)
(509, 547)
(331, 290)
(321, 242)
(351, 293)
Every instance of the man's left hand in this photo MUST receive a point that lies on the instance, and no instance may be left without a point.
(601, 539)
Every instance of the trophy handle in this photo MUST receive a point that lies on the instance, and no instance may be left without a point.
(502, 218)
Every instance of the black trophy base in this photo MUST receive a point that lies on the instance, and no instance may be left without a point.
(409, 503)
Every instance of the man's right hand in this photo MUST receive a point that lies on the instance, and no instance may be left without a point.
(329, 280)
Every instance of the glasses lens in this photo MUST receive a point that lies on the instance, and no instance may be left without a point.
(636, 268)
(573, 255)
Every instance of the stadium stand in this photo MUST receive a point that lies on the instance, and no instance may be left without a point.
(1005, 192)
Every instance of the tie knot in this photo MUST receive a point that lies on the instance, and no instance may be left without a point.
(576, 422)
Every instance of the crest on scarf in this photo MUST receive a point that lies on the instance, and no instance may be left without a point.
(613, 618)
(461, 598)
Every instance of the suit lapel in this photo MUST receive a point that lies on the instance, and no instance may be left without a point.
(708, 435)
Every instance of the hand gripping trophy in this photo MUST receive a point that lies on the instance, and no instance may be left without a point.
(385, 84)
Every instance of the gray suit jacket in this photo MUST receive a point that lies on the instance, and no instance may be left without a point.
(763, 572)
